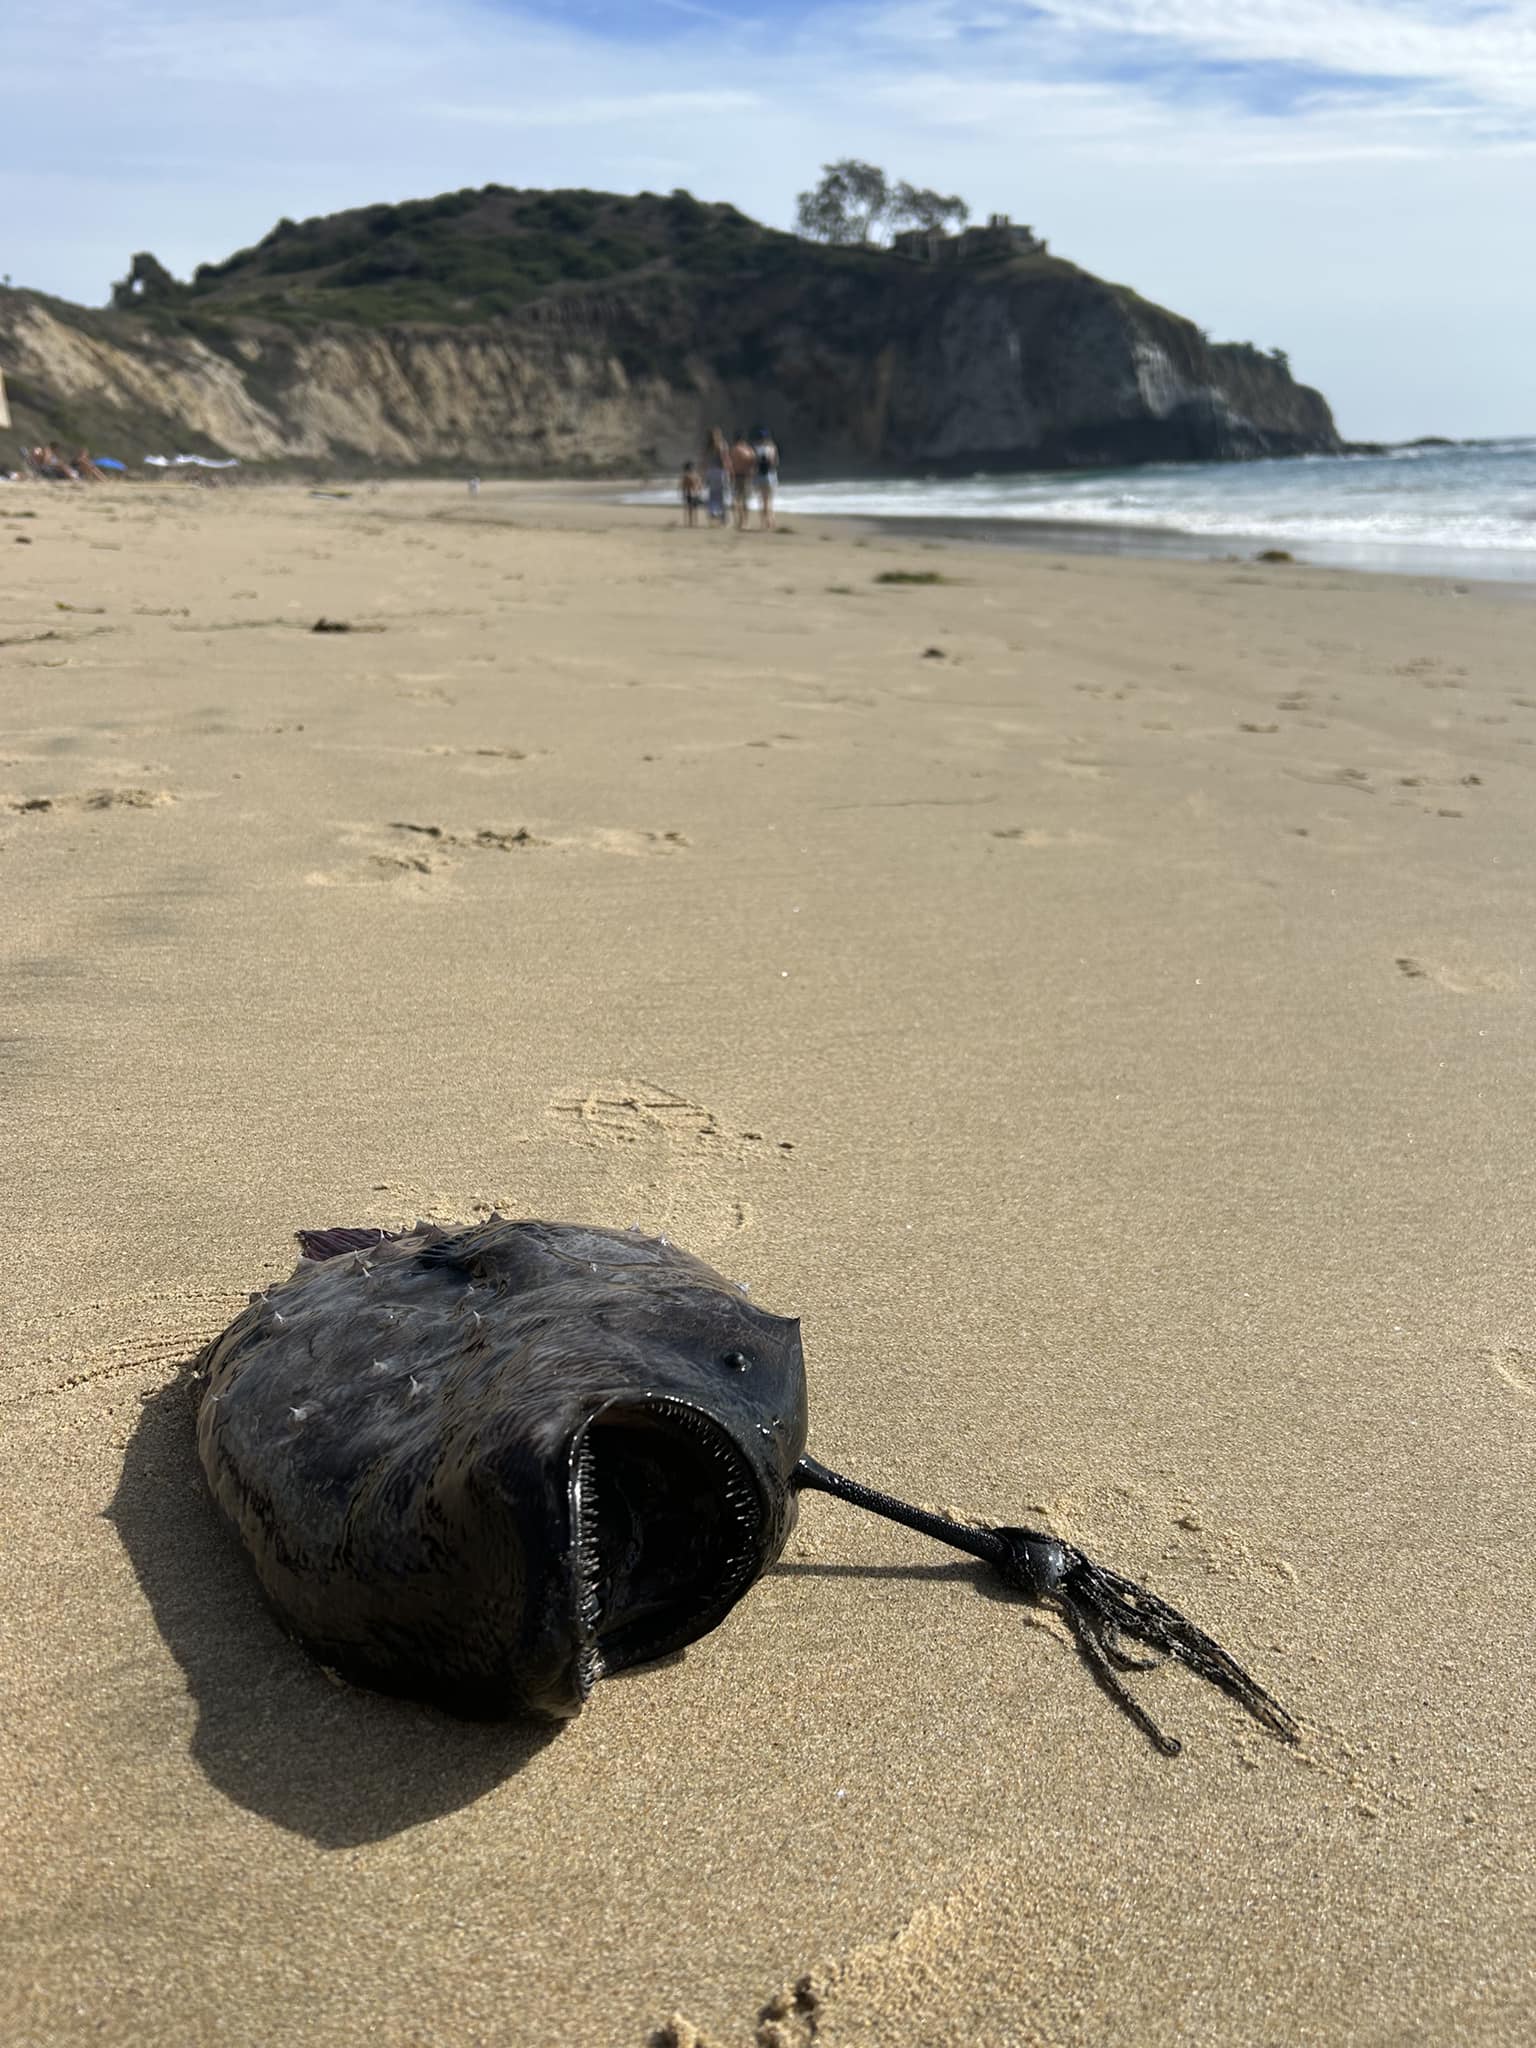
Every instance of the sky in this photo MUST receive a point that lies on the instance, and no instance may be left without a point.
(1351, 180)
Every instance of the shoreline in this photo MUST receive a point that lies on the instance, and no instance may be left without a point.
(1078, 539)
(1168, 544)
(1054, 531)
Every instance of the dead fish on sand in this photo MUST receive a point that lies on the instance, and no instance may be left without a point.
(485, 1467)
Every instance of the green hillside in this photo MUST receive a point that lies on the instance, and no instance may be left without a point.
(474, 255)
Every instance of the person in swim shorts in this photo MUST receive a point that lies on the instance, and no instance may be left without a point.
(691, 489)
(766, 473)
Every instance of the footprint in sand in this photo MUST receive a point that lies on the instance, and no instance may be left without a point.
(417, 864)
(614, 1114)
(1434, 675)
(598, 839)
(488, 839)
(54, 633)
(1337, 778)
(479, 753)
(653, 1153)
(1036, 836)
(92, 800)
(1456, 981)
(426, 853)
(616, 839)
(415, 870)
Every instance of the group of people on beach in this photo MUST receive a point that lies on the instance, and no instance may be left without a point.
(734, 473)
(52, 465)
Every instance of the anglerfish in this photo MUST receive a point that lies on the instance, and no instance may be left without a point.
(487, 1466)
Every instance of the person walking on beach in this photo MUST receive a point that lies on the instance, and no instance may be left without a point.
(766, 470)
(717, 476)
(692, 488)
(743, 470)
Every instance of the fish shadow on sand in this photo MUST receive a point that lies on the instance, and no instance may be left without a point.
(961, 1568)
(274, 1733)
(983, 1581)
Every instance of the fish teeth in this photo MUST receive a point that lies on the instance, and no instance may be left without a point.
(587, 1562)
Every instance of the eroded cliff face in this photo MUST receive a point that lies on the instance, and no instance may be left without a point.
(402, 400)
(899, 371)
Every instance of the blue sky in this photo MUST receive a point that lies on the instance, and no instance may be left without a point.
(1353, 180)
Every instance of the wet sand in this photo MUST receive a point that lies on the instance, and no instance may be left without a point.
(1095, 994)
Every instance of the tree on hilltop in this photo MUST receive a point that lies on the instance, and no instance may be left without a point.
(919, 206)
(855, 202)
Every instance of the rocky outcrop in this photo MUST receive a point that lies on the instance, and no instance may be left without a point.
(888, 367)
(1022, 370)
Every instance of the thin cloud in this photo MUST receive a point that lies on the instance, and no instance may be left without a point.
(1486, 54)
(597, 110)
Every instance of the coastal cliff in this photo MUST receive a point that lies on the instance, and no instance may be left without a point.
(469, 331)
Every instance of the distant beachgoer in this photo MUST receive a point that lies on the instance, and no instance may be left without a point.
(743, 470)
(717, 477)
(691, 486)
(48, 462)
(767, 471)
(474, 487)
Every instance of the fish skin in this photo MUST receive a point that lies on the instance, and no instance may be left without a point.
(394, 1434)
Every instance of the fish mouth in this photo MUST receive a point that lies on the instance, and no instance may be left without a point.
(667, 1522)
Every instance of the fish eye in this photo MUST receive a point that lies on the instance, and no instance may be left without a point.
(738, 1361)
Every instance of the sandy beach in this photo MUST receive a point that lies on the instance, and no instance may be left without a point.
(1095, 994)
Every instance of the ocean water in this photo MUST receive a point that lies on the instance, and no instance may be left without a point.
(1466, 510)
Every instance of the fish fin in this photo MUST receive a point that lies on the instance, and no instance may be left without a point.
(493, 1252)
(464, 1250)
(330, 1244)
